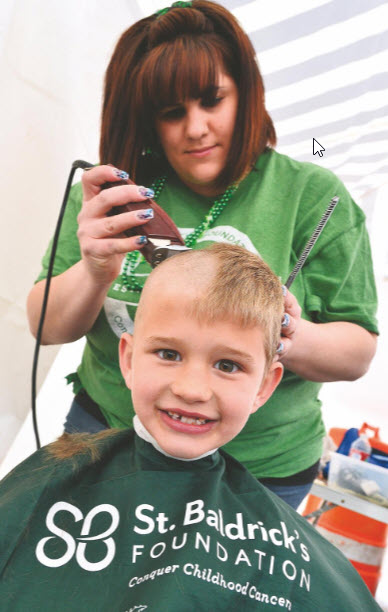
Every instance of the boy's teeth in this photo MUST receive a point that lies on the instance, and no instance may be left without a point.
(187, 420)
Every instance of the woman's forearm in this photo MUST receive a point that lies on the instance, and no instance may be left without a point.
(75, 300)
(326, 352)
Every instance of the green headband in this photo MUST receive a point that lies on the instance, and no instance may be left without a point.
(174, 5)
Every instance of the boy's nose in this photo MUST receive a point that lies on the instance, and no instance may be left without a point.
(191, 386)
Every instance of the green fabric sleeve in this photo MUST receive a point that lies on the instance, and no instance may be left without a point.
(348, 293)
(338, 274)
(68, 250)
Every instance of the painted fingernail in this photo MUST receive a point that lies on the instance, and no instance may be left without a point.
(146, 192)
(280, 347)
(141, 240)
(286, 320)
(122, 174)
(284, 290)
(145, 213)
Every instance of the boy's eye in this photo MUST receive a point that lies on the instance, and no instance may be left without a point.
(225, 365)
(168, 355)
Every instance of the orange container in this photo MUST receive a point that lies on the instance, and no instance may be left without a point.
(361, 539)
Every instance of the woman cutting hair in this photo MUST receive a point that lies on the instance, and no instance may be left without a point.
(184, 115)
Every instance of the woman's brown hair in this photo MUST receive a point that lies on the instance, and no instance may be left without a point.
(164, 59)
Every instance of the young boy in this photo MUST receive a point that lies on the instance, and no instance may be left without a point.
(159, 519)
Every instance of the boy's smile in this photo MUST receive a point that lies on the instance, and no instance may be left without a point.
(194, 384)
(186, 422)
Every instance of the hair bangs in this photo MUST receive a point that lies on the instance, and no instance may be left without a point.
(239, 305)
(182, 69)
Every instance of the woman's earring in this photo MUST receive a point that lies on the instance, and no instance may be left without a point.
(149, 152)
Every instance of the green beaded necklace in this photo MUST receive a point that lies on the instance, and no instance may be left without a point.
(134, 258)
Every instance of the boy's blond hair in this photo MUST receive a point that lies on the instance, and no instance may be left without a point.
(230, 283)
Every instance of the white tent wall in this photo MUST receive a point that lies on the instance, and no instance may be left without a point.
(53, 58)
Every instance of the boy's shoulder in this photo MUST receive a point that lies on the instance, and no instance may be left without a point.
(300, 546)
(64, 458)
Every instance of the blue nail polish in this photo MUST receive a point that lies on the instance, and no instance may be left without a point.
(286, 320)
(146, 192)
(141, 240)
(280, 347)
(146, 213)
(122, 174)
(284, 290)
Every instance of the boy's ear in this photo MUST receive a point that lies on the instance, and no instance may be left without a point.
(125, 357)
(269, 384)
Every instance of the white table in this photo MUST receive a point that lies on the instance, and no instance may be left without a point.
(350, 500)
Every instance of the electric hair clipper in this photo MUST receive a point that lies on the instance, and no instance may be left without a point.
(163, 237)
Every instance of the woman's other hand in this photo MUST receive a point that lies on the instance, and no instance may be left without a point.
(323, 352)
(290, 322)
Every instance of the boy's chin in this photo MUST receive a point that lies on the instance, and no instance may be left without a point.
(176, 450)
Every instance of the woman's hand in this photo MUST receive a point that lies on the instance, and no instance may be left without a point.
(323, 352)
(78, 294)
(102, 242)
(290, 323)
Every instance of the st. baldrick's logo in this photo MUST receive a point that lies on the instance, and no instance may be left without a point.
(78, 546)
